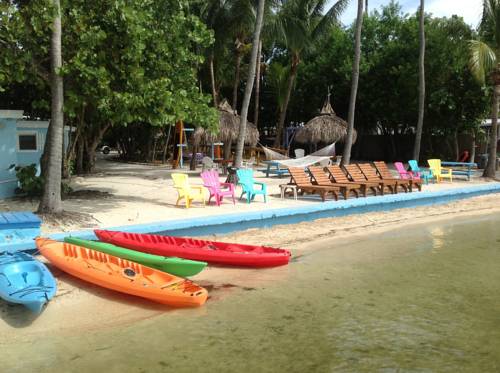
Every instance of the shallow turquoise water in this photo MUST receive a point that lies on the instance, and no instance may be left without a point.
(422, 299)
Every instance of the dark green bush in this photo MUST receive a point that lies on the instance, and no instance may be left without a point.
(30, 184)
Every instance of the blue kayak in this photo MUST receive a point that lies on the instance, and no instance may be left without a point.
(25, 280)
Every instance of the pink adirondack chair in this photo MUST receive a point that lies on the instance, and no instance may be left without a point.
(404, 174)
(215, 187)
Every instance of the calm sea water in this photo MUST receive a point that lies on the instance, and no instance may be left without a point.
(418, 299)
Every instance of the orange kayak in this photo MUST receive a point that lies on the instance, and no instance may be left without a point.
(122, 275)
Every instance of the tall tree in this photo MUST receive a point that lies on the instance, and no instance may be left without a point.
(421, 83)
(257, 86)
(299, 24)
(485, 61)
(51, 198)
(249, 84)
(346, 156)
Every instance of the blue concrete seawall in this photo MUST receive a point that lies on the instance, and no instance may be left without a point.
(221, 224)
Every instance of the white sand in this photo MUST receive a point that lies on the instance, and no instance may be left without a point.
(124, 194)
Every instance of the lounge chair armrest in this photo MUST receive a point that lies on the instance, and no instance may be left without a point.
(199, 187)
(262, 185)
(227, 185)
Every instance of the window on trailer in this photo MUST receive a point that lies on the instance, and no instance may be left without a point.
(27, 142)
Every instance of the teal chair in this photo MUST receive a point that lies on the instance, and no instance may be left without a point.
(425, 175)
(247, 183)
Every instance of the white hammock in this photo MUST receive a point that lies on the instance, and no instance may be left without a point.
(316, 157)
(308, 160)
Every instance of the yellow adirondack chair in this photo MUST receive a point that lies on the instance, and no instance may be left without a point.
(186, 191)
(439, 172)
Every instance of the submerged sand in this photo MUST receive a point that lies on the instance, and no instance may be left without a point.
(80, 307)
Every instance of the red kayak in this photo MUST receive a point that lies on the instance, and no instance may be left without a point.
(194, 249)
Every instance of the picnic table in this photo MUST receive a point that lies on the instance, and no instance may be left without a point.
(273, 168)
(461, 168)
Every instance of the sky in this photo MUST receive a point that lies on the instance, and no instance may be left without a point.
(470, 10)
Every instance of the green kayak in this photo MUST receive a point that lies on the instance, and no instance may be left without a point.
(172, 265)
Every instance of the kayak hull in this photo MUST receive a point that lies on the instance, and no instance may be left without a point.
(122, 275)
(194, 249)
(24, 280)
(175, 266)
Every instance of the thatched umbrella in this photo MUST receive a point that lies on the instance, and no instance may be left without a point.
(229, 129)
(327, 127)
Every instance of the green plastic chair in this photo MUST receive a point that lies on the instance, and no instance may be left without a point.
(247, 183)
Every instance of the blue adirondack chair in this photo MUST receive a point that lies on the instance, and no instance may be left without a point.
(425, 175)
(247, 182)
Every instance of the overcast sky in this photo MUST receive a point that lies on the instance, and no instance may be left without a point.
(470, 10)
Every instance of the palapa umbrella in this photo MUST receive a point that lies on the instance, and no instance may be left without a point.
(229, 129)
(327, 127)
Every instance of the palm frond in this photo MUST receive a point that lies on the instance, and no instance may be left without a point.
(482, 60)
(331, 17)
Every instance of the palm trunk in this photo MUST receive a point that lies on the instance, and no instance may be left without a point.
(249, 85)
(490, 169)
(346, 156)
(51, 198)
(473, 146)
(257, 87)
(421, 82)
(282, 117)
(212, 79)
(236, 83)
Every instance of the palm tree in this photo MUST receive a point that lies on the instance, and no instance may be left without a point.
(298, 24)
(346, 156)
(241, 21)
(421, 84)
(249, 83)
(485, 62)
(51, 198)
(215, 14)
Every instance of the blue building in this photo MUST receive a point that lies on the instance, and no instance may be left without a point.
(21, 144)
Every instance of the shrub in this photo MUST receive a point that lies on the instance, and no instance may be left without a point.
(29, 183)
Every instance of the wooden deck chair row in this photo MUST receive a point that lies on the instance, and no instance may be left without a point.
(337, 175)
(388, 182)
(354, 173)
(319, 177)
(304, 185)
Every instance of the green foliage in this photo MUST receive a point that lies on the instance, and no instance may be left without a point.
(388, 94)
(30, 184)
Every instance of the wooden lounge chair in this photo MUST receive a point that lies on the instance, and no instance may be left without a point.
(304, 184)
(405, 175)
(371, 175)
(320, 178)
(386, 174)
(357, 176)
(337, 175)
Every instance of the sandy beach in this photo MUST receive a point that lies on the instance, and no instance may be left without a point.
(121, 194)
(70, 311)
(124, 194)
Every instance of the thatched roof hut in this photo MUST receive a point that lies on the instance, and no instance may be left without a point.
(229, 129)
(327, 127)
